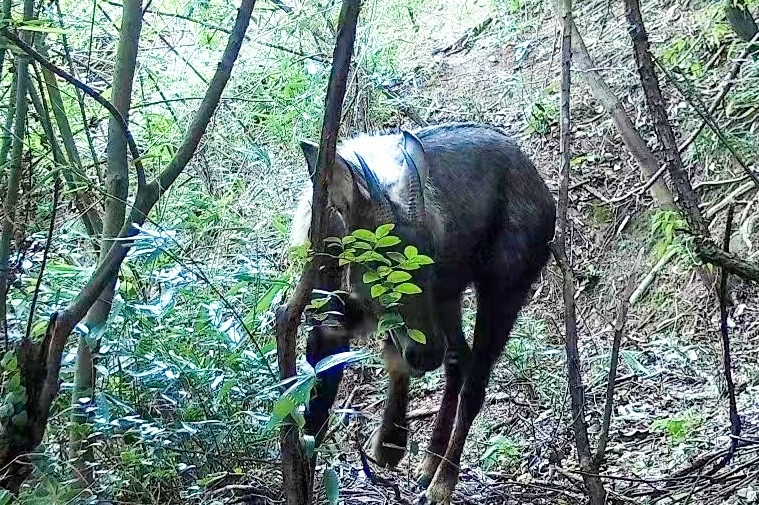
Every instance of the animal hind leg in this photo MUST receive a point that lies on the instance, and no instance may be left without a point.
(389, 441)
(498, 307)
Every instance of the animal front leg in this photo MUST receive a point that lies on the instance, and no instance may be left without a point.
(441, 433)
(495, 317)
(389, 441)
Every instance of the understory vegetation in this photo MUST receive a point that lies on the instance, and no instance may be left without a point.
(177, 396)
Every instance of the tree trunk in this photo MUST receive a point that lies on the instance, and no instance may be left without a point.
(117, 189)
(689, 201)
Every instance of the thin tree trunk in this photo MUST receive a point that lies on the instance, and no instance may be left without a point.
(593, 484)
(297, 472)
(58, 157)
(649, 165)
(117, 189)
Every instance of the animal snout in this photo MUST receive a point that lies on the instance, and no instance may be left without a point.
(423, 357)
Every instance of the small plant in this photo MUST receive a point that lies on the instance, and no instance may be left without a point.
(387, 272)
(664, 227)
(543, 115)
(677, 428)
(501, 451)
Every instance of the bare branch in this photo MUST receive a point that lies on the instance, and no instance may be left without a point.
(735, 419)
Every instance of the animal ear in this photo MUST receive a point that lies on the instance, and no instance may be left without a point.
(415, 150)
(311, 152)
(342, 187)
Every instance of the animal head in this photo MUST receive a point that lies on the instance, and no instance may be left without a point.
(378, 180)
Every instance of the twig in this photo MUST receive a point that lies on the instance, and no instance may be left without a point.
(421, 413)
(735, 420)
(45, 253)
(623, 304)
(136, 159)
(649, 278)
(730, 198)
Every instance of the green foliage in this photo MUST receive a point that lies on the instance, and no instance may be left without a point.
(543, 115)
(385, 270)
(13, 414)
(677, 428)
(665, 225)
(501, 451)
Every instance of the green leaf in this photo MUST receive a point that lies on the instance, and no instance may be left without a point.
(408, 265)
(297, 394)
(384, 230)
(365, 235)
(309, 443)
(377, 290)
(389, 321)
(362, 245)
(388, 241)
(44, 29)
(370, 276)
(331, 486)
(411, 251)
(348, 239)
(417, 336)
(407, 288)
(397, 257)
(341, 358)
(398, 277)
(384, 270)
(421, 260)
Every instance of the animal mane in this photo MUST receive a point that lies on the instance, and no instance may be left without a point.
(384, 157)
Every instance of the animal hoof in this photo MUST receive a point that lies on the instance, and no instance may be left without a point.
(424, 481)
(385, 452)
(426, 469)
(441, 488)
(428, 498)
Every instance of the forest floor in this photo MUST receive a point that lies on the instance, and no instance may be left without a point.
(670, 410)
